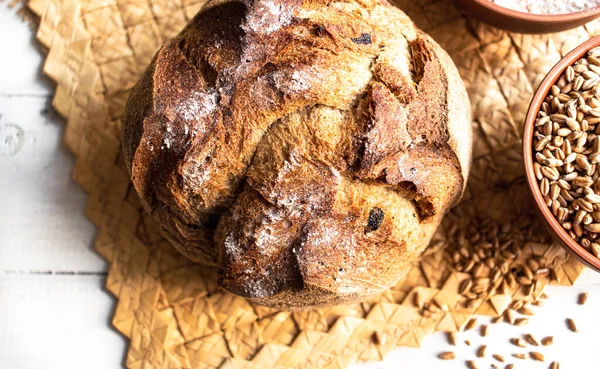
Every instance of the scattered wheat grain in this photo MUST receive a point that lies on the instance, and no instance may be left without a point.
(481, 351)
(571, 325)
(536, 356)
(582, 298)
(547, 341)
(448, 355)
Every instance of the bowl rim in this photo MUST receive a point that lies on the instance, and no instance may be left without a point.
(533, 17)
(534, 107)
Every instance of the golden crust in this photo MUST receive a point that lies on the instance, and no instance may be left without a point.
(308, 148)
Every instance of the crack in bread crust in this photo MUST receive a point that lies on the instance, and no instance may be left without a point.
(264, 136)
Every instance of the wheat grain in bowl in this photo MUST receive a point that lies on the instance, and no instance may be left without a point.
(566, 149)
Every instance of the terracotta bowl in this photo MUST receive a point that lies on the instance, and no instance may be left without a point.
(512, 20)
(551, 223)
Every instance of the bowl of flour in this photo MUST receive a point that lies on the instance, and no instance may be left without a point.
(533, 16)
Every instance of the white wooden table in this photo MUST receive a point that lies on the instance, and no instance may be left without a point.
(54, 310)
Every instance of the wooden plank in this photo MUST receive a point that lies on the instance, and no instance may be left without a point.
(21, 59)
(42, 222)
(57, 322)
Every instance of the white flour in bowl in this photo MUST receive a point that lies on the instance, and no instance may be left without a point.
(548, 6)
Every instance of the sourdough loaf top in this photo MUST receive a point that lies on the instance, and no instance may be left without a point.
(307, 148)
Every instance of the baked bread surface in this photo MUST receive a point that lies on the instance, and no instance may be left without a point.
(307, 148)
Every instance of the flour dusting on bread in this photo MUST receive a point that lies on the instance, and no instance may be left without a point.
(295, 82)
(198, 105)
(267, 16)
(309, 149)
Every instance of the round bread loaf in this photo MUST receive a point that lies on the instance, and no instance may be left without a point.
(309, 149)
